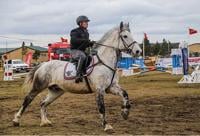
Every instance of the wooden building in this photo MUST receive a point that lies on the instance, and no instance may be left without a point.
(21, 52)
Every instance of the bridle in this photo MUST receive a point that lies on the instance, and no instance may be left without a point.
(118, 54)
(125, 44)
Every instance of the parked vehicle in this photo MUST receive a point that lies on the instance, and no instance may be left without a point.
(17, 65)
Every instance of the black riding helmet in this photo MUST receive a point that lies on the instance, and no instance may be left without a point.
(82, 19)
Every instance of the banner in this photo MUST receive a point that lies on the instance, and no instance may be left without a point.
(194, 61)
(185, 61)
(164, 63)
(176, 61)
(28, 58)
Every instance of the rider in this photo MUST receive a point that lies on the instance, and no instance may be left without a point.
(79, 42)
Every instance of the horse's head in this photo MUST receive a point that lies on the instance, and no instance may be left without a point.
(127, 43)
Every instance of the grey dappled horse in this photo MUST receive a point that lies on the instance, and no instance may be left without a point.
(103, 78)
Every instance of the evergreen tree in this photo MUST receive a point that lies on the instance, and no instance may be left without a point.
(36, 55)
(156, 49)
(196, 54)
(24, 50)
(164, 48)
(147, 47)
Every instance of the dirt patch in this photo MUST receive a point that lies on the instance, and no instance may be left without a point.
(157, 108)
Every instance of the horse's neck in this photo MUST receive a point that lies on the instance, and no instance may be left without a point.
(108, 55)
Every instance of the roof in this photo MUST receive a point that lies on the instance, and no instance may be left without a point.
(37, 48)
(4, 50)
(7, 50)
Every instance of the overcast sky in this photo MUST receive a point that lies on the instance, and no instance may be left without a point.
(44, 21)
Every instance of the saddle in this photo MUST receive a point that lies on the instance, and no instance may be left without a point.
(85, 65)
(87, 62)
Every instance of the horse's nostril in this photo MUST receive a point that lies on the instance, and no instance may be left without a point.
(137, 52)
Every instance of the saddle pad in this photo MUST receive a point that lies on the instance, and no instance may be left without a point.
(69, 71)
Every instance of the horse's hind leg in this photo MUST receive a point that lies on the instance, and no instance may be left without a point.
(117, 90)
(53, 93)
(27, 100)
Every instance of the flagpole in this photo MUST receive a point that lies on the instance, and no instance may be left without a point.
(189, 40)
(188, 37)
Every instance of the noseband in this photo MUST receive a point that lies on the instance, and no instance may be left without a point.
(126, 45)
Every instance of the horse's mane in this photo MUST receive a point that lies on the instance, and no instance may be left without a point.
(105, 36)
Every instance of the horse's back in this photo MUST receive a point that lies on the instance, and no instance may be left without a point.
(63, 74)
(54, 70)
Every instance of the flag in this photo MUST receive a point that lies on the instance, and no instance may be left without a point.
(192, 31)
(145, 36)
(28, 58)
(63, 40)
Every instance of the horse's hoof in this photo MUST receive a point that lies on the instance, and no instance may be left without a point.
(16, 124)
(125, 114)
(108, 128)
(46, 124)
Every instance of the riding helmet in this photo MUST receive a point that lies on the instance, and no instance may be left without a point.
(82, 19)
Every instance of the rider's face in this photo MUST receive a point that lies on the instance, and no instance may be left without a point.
(84, 24)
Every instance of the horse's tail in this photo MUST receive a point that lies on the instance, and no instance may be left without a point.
(31, 74)
(30, 77)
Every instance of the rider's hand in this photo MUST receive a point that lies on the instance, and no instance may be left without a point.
(92, 43)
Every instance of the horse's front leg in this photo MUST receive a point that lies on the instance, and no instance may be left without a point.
(117, 90)
(101, 108)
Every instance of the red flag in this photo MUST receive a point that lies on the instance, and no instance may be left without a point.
(28, 58)
(145, 36)
(192, 31)
(63, 40)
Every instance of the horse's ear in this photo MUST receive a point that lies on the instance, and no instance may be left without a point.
(121, 26)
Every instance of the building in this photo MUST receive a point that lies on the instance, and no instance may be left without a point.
(194, 50)
(194, 47)
(21, 52)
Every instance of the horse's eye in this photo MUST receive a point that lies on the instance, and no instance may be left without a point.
(125, 36)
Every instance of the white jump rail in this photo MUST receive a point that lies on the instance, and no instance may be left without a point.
(193, 78)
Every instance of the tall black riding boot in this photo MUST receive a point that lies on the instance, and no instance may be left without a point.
(79, 71)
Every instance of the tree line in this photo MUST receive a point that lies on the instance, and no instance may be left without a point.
(162, 48)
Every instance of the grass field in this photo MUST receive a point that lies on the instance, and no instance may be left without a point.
(159, 106)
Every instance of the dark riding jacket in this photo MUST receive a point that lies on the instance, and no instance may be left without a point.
(79, 39)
